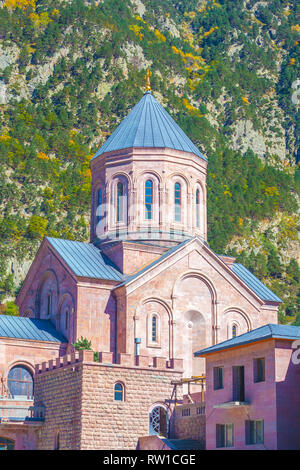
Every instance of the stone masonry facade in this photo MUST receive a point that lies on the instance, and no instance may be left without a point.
(84, 412)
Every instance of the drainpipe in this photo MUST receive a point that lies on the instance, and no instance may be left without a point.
(137, 346)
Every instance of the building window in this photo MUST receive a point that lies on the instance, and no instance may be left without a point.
(254, 432)
(259, 369)
(186, 412)
(218, 378)
(20, 383)
(154, 329)
(224, 435)
(198, 208)
(6, 444)
(238, 383)
(67, 320)
(234, 330)
(149, 200)
(177, 202)
(57, 441)
(120, 195)
(49, 304)
(201, 410)
(99, 204)
(119, 392)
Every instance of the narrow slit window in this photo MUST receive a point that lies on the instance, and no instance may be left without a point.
(120, 195)
(177, 202)
(49, 305)
(197, 208)
(149, 200)
(154, 328)
(99, 204)
(234, 331)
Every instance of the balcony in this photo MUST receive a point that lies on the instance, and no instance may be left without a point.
(11, 412)
(232, 404)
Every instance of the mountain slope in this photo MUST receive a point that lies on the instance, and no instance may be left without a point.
(71, 70)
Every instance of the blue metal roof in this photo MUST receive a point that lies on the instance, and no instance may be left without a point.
(29, 328)
(255, 284)
(85, 260)
(264, 332)
(148, 125)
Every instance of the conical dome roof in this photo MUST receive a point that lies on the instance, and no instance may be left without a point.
(148, 125)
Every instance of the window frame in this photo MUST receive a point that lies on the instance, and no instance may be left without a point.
(222, 435)
(218, 380)
(29, 383)
(121, 391)
(146, 211)
(176, 204)
(259, 373)
(252, 432)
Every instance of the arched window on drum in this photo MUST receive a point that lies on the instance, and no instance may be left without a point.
(177, 202)
(149, 200)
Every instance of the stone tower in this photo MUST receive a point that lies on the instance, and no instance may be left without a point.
(148, 188)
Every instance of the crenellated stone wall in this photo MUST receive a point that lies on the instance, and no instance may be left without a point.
(78, 395)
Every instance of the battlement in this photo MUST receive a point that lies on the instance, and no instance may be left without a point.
(107, 359)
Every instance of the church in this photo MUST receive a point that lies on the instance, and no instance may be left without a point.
(147, 291)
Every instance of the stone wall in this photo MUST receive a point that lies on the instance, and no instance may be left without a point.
(78, 395)
(189, 422)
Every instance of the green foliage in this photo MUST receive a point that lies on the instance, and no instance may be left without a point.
(10, 309)
(47, 138)
(82, 343)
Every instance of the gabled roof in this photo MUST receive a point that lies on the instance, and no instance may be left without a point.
(259, 334)
(148, 125)
(263, 292)
(29, 328)
(254, 283)
(85, 260)
(128, 279)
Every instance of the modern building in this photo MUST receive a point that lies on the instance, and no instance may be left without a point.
(252, 390)
(147, 291)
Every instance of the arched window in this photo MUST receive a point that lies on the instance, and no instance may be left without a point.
(149, 200)
(6, 444)
(20, 383)
(119, 392)
(177, 202)
(99, 203)
(120, 202)
(198, 208)
(154, 329)
(234, 331)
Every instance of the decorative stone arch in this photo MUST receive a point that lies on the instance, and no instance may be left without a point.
(66, 305)
(142, 329)
(199, 275)
(159, 419)
(194, 299)
(125, 179)
(239, 318)
(48, 285)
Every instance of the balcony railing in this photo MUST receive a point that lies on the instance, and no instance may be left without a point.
(12, 413)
